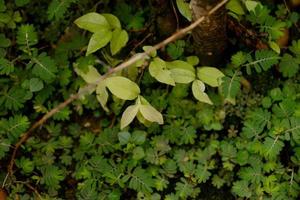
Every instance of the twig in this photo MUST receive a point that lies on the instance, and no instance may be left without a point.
(180, 33)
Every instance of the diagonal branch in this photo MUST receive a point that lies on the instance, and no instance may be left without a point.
(180, 33)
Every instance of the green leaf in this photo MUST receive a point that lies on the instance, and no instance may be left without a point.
(192, 60)
(272, 147)
(98, 40)
(4, 147)
(289, 66)
(118, 40)
(242, 189)
(230, 87)
(210, 75)
(21, 3)
(151, 114)
(239, 58)
(102, 95)
(138, 153)
(6, 66)
(295, 129)
(141, 180)
(13, 99)
(4, 42)
(124, 137)
(93, 22)
(185, 189)
(139, 137)
(157, 69)
(153, 53)
(122, 87)
(44, 67)
(182, 75)
(113, 21)
(202, 174)
(90, 76)
(274, 46)
(51, 176)
(235, 6)
(58, 8)
(27, 36)
(295, 47)
(35, 85)
(179, 64)
(128, 115)
(14, 127)
(198, 89)
(184, 9)
(251, 5)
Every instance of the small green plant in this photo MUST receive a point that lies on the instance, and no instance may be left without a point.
(164, 127)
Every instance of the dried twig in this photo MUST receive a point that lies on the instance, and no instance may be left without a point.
(180, 33)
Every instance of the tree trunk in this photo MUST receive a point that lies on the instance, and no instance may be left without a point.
(210, 37)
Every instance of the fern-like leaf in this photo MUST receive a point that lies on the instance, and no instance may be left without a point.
(58, 8)
(264, 60)
(230, 87)
(44, 67)
(27, 36)
(141, 180)
(14, 98)
(289, 66)
(6, 67)
(272, 147)
(14, 126)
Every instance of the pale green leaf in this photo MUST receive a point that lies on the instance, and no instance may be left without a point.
(158, 71)
(274, 46)
(210, 75)
(91, 76)
(251, 5)
(122, 87)
(102, 95)
(193, 60)
(180, 65)
(198, 88)
(99, 40)
(182, 75)
(235, 6)
(92, 22)
(184, 9)
(113, 21)
(153, 53)
(128, 115)
(151, 114)
(118, 40)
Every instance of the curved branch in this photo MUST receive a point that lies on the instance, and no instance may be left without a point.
(180, 33)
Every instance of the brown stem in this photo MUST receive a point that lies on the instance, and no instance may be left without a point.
(92, 86)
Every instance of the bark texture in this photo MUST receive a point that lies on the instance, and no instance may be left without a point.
(210, 37)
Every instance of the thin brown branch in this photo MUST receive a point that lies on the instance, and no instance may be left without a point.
(180, 33)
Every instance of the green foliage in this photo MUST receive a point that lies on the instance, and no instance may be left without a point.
(145, 132)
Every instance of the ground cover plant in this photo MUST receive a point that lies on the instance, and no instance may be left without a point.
(91, 108)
